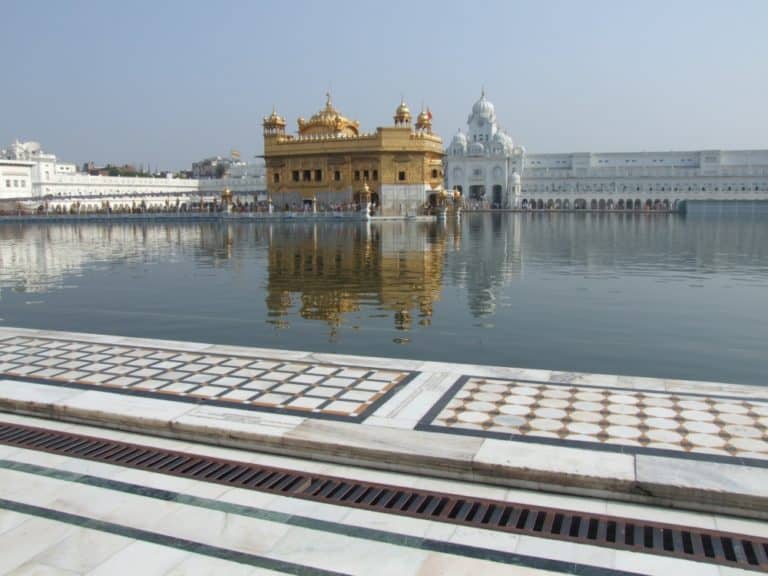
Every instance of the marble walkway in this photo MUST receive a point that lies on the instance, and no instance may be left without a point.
(66, 516)
(696, 445)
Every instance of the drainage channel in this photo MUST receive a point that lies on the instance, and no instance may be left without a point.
(701, 545)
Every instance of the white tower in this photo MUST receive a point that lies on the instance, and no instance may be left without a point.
(482, 163)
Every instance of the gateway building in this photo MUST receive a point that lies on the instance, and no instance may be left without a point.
(492, 172)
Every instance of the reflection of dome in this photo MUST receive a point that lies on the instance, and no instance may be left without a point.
(483, 107)
(476, 148)
(402, 114)
(329, 122)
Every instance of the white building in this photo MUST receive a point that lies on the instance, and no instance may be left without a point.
(15, 179)
(490, 172)
(37, 180)
(484, 163)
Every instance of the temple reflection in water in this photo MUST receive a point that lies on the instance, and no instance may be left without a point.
(328, 270)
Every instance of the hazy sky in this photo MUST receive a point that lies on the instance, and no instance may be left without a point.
(170, 82)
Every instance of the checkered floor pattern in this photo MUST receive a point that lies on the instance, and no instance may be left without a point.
(699, 424)
(274, 385)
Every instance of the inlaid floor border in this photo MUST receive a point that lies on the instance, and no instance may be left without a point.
(408, 376)
(425, 424)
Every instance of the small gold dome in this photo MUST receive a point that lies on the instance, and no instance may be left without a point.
(274, 120)
(424, 120)
(402, 114)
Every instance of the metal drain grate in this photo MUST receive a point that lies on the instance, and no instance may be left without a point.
(730, 549)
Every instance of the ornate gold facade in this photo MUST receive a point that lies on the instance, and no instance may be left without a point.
(329, 161)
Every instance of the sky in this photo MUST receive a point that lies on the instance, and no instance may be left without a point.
(167, 82)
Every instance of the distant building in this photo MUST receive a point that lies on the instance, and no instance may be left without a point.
(15, 179)
(484, 163)
(330, 162)
(232, 168)
(213, 167)
(490, 171)
(37, 180)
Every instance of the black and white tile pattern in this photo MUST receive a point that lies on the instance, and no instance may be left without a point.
(303, 388)
(694, 424)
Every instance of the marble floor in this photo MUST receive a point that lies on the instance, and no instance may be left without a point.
(320, 390)
(697, 445)
(652, 419)
(592, 415)
(67, 516)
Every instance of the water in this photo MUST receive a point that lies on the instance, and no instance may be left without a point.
(665, 296)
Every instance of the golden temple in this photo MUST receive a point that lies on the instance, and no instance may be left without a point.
(329, 164)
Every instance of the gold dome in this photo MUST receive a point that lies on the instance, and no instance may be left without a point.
(402, 114)
(424, 120)
(274, 120)
(328, 122)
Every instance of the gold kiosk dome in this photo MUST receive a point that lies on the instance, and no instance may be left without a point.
(424, 120)
(273, 123)
(328, 122)
(402, 114)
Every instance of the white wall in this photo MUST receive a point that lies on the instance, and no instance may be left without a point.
(15, 179)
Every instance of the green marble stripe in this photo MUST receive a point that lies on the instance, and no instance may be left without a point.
(164, 540)
(382, 536)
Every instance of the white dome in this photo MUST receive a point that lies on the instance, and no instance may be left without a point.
(476, 148)
(460, 138)
(458, 145)
(483, 107)
(502, 140)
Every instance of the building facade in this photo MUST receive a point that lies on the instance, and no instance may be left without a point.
(35, 180)
(484, 164)
(491, 172)
(15, 179)
(330, 163)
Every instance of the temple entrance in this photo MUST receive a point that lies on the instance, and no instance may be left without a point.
(477, 192)
(497, 200)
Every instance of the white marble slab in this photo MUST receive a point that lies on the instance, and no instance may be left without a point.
(22, 543)
(214, 422)
(719, 484)
(17, 395)
(143, 414)
(541, 463)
